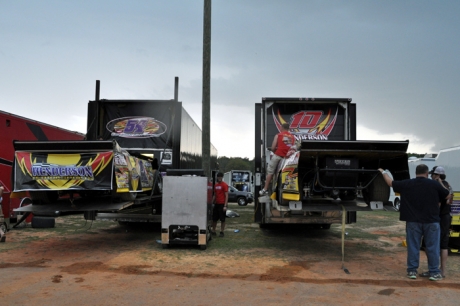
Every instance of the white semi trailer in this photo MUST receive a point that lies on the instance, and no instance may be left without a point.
(240, 179)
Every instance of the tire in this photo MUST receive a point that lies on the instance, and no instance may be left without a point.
(19, 215)
(242, 201)
(397, 204)
(279, 191)
(43, 197)
(52, 214)
(325, 226)
(158, 188)
(3, 227)
(43, 222)
(347, 195)
(203, 247)
(377, 191)
(128, 196)
(124, 196)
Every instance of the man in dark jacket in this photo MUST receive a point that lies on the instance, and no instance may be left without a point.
(420, 198)
(439, 174)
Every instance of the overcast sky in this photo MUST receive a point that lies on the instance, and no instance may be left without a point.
(398, 60)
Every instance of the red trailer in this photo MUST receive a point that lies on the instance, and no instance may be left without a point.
(14, 127)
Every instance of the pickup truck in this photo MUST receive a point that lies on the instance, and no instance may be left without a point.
(240, 197)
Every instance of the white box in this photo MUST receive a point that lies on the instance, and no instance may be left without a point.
(376, 205)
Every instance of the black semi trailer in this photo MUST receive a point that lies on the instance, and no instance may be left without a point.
(116, 172)
(331, 175)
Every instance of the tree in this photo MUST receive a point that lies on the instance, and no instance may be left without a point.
(223, 161)
(235, 163)
(238, 164)
(415, 155)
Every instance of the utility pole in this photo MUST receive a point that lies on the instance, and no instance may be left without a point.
(206, 102)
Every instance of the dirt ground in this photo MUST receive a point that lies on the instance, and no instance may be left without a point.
(105, 263)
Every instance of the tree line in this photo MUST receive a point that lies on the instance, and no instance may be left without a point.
(235, 163)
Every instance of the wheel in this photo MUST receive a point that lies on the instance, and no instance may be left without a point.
(53, 214)
(203, 247)
(3, 227)
(124, 196)
(242, 201)
(165, 246)
(325, 226)
(43, 222)
(347, 195)
(377, 191)
(279, 191)
(396, 204)
(158, 188)
(128, 196)
(21, 216)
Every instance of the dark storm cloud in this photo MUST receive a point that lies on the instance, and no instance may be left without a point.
(398, 60)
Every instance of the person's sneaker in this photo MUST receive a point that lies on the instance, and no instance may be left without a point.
(425, 274)
(436, 277)
(263, 192)
(221, 234)
(412, 275)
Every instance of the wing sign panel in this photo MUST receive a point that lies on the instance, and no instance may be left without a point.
(41, 171)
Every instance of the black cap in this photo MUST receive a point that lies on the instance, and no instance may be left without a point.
(220, 174)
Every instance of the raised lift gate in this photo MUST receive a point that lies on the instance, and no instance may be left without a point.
(187, 208)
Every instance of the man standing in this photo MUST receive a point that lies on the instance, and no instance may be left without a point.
(282, 142)
(439, 174)
(420, 198)
(220, 200)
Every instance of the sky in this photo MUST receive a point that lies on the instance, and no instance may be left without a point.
(398, 61)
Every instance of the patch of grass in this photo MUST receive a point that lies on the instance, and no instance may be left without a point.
(276, 241)
(291, 238)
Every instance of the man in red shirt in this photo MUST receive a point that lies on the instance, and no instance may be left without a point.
(281, 145)
(220, 200)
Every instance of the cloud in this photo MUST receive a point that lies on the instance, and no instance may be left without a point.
(397, 60)
(416, 145)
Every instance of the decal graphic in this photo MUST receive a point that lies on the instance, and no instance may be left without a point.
(289, 173)
(308, 125)
(136, 127)
(60, 171)
(132, 173)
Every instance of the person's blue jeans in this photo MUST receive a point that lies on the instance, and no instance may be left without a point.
(431, 233)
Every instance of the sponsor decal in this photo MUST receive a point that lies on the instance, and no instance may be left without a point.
(308, 125)
(56, 172)
(289, 174)
(342, 162)
(136, 127)
(60, 171)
